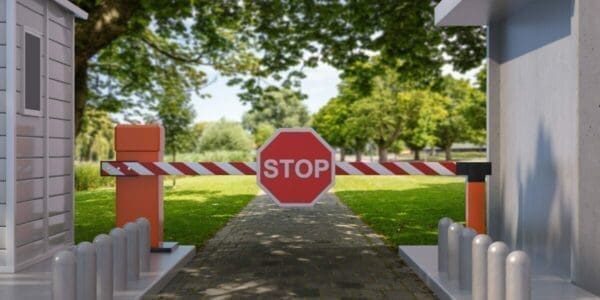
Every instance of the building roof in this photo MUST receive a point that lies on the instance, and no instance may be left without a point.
(78, 12)
(473, 12)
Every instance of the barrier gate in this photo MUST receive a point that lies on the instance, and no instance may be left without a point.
(139, 167)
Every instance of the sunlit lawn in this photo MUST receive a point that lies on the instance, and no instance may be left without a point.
(194, 211)
(404, 209)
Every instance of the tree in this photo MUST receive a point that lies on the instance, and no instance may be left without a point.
(224, 135)
(263, 132)
(126, 49)
(280, 108)
(423, 110)
(96, 139)
(332, 123)
(466, 115)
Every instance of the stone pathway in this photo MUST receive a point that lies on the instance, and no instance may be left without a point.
(321, 252)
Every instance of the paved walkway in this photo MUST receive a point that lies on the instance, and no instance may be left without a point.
(322, 252)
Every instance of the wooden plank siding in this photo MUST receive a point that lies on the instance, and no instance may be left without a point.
(3, 124)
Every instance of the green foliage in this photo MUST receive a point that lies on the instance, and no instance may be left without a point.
(280, 108)
(219, 155)
(95, 142)
(224, 135)
(482, 80)
(175, 113)
(263, 132)
(87, 177)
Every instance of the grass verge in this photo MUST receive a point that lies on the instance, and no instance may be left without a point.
(404, 209)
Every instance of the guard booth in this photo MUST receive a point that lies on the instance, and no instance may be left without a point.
(36, 129)
(543, 130)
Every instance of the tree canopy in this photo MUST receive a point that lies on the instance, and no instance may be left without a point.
(126, 50)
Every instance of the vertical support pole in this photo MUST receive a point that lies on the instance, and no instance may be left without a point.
(63, 276)
(133, 250)
(475, 195)
(465, 258)
(443, 225)
(119, 246)
(86, 271)
(104, 266)
(496, 287)
(140, 196)
(144, 243)
(480, 246)
(454, 232)
(518, 276)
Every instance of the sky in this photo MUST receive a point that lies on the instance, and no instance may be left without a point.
(320, 85)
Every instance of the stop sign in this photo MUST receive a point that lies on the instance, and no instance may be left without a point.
(295, 167)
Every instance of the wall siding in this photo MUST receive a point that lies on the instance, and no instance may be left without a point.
(3, 131)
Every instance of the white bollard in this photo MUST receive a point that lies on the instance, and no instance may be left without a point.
(496, 284)
(63, 276)
(480, 246)
(443, 225)
(133, 251)
(104, 267)
(465, 258)
(85, 256)
(454, 232)
(119, 246)
(518, 276)
(144, 243)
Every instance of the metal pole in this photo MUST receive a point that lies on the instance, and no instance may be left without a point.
(119, 246)
(465, 258)
(86, 271)
(454, 231)
(133, 259)
(63, 276)
(496, 257)
(479, 249)
(443, 225)
(518, 276)
(104, 266)
(144, 243)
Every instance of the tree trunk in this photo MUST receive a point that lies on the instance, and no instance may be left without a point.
(448, 151)
(81, 94)
(383, 153)
(358, 155)
(417, 154)
(342, 154)
(174, 178)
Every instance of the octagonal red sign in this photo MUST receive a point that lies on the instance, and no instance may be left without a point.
(295, 167)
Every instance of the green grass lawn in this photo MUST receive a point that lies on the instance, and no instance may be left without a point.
(194, 211)
(404, 209)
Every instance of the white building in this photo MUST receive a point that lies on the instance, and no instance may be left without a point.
(36, 129)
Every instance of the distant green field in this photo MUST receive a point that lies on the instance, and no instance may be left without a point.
(404, 209)
(194, 211)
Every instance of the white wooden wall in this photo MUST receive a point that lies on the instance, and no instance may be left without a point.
(3, 261)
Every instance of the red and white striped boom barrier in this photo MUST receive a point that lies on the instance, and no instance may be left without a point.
(132, 168)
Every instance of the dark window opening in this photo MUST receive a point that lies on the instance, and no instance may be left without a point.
(33, 72)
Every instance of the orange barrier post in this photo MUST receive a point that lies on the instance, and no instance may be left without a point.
(475, 193)
(140, 196)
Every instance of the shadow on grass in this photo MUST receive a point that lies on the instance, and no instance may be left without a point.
(409, 216)
(190, 216)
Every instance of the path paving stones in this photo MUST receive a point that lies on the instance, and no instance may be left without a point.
(321, 252)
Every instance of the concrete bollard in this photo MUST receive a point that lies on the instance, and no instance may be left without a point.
(518, 276)
(86, 271)
(454, 231)
(119, 253)
(479, 249)
(104, 267)
(443, 225)
(63, 276)
(144, 243)
(465, 258)
(133, 251)
(496, 275)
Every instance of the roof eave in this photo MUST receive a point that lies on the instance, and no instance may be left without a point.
(78, 12)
